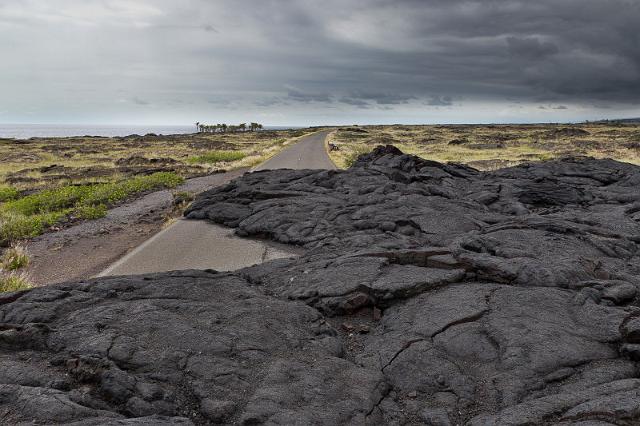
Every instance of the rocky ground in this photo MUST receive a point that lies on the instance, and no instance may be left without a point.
(428, 294)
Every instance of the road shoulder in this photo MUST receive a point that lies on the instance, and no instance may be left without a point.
(81, 251)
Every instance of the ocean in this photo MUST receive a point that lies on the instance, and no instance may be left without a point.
(26, 131)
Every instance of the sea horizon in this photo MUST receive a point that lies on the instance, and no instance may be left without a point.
(26, 131)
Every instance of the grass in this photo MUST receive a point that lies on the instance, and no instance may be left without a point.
(214, 157)
(489, 147)
(81, 177)
(352, 155)
(44, 163)
(14, 281)
(90, 212)
(14, 258)
(8, 193)
(183, 197)
(29, 216)
(16, 226)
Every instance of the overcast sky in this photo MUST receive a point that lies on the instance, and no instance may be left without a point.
(306, 62)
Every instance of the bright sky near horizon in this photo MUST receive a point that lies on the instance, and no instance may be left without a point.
(309, 62)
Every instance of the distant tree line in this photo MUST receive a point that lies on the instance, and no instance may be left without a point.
(224, 128)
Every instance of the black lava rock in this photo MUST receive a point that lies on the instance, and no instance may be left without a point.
(428, 294)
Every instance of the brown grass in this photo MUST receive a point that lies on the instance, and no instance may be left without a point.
(40, 163)
(489, 147)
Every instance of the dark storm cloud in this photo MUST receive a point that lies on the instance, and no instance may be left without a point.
(531, 48)
(304, 57)
(354, 102)
(440, 101)
(380, 98)
(300, 96)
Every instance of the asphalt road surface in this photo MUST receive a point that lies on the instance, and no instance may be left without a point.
(308, 153)
(197, 244)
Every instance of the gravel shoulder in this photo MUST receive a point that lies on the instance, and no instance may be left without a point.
(83, 250)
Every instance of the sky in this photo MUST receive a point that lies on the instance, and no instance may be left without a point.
(317, 62)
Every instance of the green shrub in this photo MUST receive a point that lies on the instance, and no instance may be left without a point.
(213, 157)
(49, 200)
(14, 282)
(56, 199)
(16, 226)
(29, 216)
(90, 212)
(8, 193)
(14, 258)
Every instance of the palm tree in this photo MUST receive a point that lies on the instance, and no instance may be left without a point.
(198, 125)
(259, 126)
(242, 126)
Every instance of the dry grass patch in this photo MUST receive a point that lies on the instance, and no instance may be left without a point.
(488, 147)
(14, 257)
(41, 163)
(44, 181)
(214, 157)
(14, 281)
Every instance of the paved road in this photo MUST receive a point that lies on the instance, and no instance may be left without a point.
(197, 244)
(308, 153)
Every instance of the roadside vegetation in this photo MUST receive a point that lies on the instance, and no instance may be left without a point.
(44, 163)
(215, 157)
(14, 258)
(50, 183)
(12, 264)
(46, 181)
(14, 281)
(490, 147)
(352, 152)
(29, 216)
(8, 193)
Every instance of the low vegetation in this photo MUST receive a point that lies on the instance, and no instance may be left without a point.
(215, 157)
(90, 211)
(14, 258)
(14, 281)
(45, 163)
(48, 181)
(8, 193)
(352, 153)
(12, 261)
(489, 147)
(30, 215)
(15, 226)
